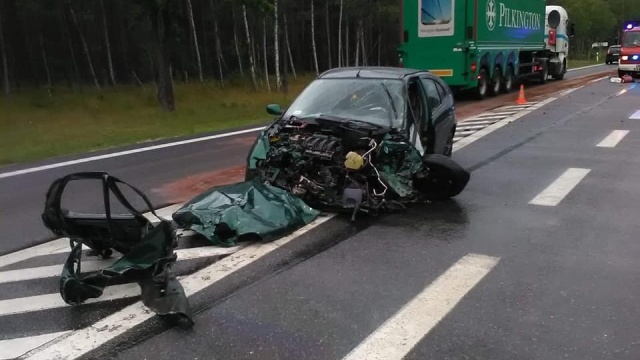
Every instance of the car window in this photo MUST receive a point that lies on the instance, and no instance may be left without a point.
(442, 92)
(433, 97)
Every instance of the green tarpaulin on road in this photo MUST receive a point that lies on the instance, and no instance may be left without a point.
(228, 213)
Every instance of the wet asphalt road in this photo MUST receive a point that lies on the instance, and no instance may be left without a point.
(22, 196)
(564, 286)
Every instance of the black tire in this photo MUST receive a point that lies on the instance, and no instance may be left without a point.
(509, 80)
(483, 85)
(560, 75)
(448, 149)
(544, 75)
(496, 82)
(446, 178)
(621, 73)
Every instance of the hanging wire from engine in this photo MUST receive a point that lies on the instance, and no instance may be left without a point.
(367, 156)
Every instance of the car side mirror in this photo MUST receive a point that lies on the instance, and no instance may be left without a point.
(274, 109)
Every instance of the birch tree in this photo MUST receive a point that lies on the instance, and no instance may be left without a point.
(235, 41)
(286, 37)
(216, 35)
(264, 47)
(112, 75)
(5, 65)
(340, 34)
(313, 41)
(250, 48)
(84, 45)
(192, 25)
(328, 23)
(276, 47)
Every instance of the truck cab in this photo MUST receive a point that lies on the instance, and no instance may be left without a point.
(629, 62)
(556, 37)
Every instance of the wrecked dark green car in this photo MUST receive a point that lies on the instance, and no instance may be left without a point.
(363, 139)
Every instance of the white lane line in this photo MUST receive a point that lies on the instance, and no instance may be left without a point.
(497, 113)
(470, 127)
(568, 91)
(613, 139)
(126, 152)
(399, 334)
(12, 348)
(483, 118)
(53, 301)
(599, 79)
(635, 115)
(476, 122)
(81, 341)
(560, 188)
(497, 125)
(456, 139)
(93, 265)
(584, 67)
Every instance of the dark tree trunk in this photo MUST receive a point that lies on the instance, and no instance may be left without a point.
(161, 26)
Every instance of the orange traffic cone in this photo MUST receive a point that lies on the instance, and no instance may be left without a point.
(521, 98)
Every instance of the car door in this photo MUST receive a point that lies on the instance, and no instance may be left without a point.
(438, 128)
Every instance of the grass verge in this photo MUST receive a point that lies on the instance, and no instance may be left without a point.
(35, 126)
(576, 63)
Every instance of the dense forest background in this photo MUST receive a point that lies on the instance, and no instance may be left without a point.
(81, 44)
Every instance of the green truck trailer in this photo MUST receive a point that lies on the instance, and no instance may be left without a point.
(486, 46)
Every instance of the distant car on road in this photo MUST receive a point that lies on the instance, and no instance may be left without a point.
(613, 54)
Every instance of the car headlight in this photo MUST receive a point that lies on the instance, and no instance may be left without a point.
(625, 57)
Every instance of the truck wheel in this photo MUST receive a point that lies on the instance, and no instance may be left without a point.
(483, 85)
(496, 82)
(563, 70)
(446, 178)
(544, 76)
(509, 80)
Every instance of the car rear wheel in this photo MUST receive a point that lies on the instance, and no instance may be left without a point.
(445, 179)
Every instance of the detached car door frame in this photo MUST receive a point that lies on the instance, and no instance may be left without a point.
(441, 119)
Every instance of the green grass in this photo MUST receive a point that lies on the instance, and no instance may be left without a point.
(35, 126)
(576, 63)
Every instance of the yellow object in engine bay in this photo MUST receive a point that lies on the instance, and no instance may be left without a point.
(353, 161)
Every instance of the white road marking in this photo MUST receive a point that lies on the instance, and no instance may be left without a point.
(53, 301)
(12, 348)
(489, 129)
(568, 91)
(560, 188)
(399, 334)
(613, 139)
(456, 139)
(484, 118)
(81, 341)
(126, 152)
(599, 79)
(93, 265)
(477, 122)
(470, 127)
(492, 114)
(584, 67)
(635, 115)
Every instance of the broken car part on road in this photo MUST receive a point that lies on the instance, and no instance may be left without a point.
(147, 250)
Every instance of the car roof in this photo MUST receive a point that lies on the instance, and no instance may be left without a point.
(371, 72)
(615, 46)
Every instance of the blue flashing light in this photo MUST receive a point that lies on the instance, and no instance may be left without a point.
(635, 57)
(629, 26)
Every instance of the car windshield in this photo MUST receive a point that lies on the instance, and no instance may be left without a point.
(615, 49)
(375, 101)
(631, 39)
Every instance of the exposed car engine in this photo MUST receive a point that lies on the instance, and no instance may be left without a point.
(329, 163)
